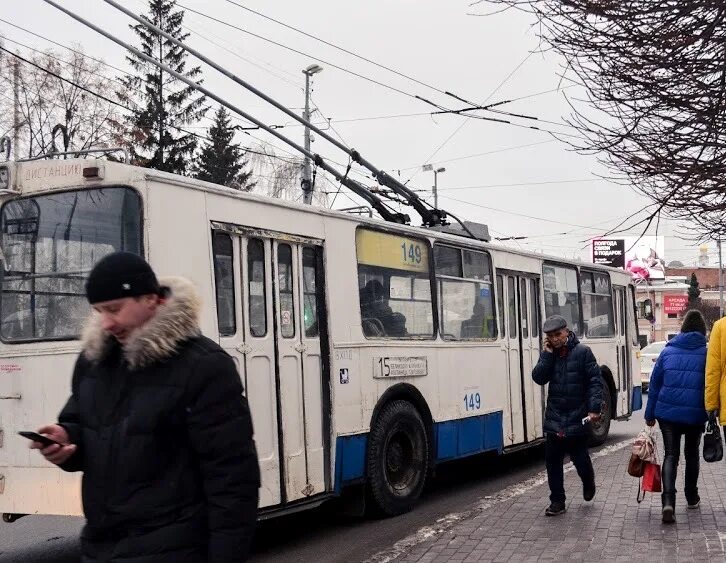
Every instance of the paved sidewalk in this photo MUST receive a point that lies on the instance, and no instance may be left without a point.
(613, 527)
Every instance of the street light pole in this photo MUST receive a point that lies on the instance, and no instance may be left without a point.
(307, 183)
(436, 171)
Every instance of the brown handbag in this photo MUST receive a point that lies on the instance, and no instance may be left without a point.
(636, 466)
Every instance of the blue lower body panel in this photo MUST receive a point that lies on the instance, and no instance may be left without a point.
(468, 436)
(637, 402)
(350, 459)
(452, 439)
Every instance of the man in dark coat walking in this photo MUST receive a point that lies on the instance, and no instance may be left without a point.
(158, 425)
(574, 399)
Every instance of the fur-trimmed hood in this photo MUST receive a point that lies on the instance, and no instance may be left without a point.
(176, 320)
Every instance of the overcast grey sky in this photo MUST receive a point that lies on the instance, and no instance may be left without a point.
(537, 187)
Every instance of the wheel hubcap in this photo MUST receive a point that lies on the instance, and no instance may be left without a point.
(399, 461)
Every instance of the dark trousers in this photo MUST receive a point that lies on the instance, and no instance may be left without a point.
(555, 450)
(672, 432)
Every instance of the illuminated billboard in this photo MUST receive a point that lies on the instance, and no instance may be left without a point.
(641, 256)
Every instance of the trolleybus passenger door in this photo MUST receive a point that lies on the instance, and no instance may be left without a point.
(525, 397)
(514, 345)
(298, 273)
(529, 335)
(624, 376)
(259, 358)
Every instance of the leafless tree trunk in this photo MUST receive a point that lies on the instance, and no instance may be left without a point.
(59, 89)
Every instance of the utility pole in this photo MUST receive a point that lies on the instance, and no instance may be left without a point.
(720, 280)
(307, 181)
(16, 105)
(161, 97)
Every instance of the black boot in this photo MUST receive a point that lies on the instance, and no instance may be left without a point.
(588, 491)
(555, 509)
(669, 507)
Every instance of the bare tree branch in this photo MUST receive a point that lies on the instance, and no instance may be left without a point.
(655, 76)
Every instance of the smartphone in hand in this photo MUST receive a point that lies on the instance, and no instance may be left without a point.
(35, 437)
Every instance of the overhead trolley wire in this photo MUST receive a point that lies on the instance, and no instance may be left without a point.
(393, 70)
(463, 123)
(442, 110)
(330, 64)
(338, 47)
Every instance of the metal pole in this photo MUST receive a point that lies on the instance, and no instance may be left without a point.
(436, 186)
(16, 107)
(720, 280)
(307, 186)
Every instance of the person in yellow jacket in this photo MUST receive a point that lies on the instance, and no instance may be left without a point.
(715, 393)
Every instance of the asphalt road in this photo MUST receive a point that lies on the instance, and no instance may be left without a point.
(323, 535)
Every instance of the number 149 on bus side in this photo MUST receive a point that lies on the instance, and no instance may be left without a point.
(472, 401)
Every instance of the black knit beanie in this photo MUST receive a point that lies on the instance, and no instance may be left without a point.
(694, 322)
(118, 275)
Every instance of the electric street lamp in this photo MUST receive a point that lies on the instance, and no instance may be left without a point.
(436, 171)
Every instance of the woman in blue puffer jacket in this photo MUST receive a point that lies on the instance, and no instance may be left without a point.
(676, 401)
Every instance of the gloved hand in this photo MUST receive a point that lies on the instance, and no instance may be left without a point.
(713, 416)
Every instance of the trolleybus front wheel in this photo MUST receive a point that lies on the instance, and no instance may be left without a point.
(398, 458)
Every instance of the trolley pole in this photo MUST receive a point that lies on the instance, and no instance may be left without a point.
(307, 181)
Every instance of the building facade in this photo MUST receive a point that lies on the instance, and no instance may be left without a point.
(660, 308)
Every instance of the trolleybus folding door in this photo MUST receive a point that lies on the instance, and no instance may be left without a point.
(280, 358)
(622, 341)
(522, 344)
(300, 370)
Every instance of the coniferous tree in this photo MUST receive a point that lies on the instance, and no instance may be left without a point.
(694, 293)
(221, 159)
(163, 104)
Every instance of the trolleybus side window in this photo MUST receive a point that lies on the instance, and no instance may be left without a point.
(256, 291)
(466, 296)
(310, 307)
(49, 244)
(524, 308)
(597, 304)
(561, 295)
(632, 325)
(224, 283)
(500, 305)
(287, 293)
(394, 285)
(512, 306)
(535, 308)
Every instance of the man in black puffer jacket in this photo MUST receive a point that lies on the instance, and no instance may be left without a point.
(573, 400)
(158, 424)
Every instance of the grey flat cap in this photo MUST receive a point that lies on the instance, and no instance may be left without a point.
(555, 322)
